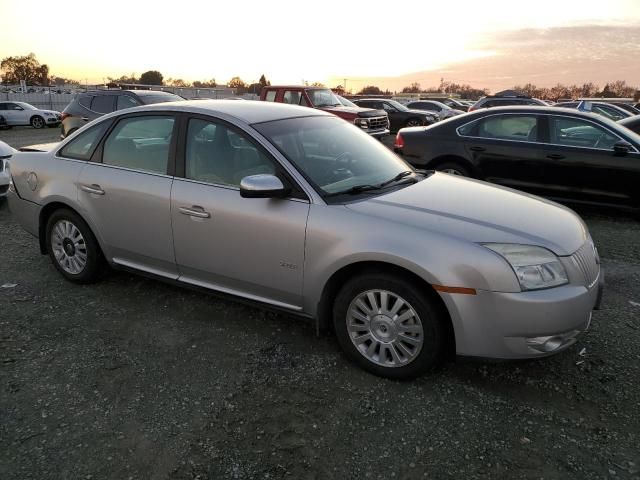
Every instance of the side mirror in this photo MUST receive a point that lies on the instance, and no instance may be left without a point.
(263, 186)
(622, 147)
(17, 107)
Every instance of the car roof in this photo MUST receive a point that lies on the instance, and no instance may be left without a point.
(117, 91)
(250, 111)
(297, 87)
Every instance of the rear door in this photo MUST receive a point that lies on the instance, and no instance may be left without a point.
(127, 190)
(506, 150)
(582, 165)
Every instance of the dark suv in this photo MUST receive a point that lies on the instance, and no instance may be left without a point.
(506, 99)
(90, 105)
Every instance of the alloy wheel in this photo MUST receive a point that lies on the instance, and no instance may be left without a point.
(37, 122)
(69, 247)
(384, 328)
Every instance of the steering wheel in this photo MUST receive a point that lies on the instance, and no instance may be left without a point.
(345, 158)
(343, 164)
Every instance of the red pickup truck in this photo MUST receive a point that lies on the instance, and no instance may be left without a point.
(374, 122)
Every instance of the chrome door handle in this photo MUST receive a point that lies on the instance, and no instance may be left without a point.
(194, 211)
(94, 189)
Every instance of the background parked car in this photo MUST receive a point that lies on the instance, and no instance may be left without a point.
(399, 115)
(90, 105)
(632, 123)
(443, 111)
(454, 103)
(559, 153)
(504, 99)
(610, 111)
(5, 154)
(22, 113)
(3, 123)
(625, 106)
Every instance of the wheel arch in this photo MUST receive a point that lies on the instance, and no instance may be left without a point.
(47, 211)
(442, 159)
(338, 278)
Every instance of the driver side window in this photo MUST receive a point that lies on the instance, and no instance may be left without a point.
(575, 132)
(219, 155)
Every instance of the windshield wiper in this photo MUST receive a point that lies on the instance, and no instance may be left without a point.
(399, 176)
(364, 188)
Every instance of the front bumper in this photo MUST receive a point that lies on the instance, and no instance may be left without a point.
(379, 133)
(521, 325)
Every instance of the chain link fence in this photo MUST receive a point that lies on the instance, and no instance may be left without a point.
(57, 98)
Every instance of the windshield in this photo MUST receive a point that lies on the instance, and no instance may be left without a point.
(400, 107)
(345, 102)
(323, 97)
(169, 97)
(333, 155)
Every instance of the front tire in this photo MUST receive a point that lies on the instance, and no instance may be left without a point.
(73, 248)
(453, 168)
(38, 122)
(388, 326)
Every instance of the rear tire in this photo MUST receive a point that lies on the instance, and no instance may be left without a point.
(388, 326)
(413, 122)
(73, 248)
(453, 168)
(38, 122)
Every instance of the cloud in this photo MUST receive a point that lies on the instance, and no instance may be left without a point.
(567, 54)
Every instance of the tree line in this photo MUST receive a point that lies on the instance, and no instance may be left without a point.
(617, 89)
(29, 69)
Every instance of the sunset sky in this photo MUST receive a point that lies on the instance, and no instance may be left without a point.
(493, 44)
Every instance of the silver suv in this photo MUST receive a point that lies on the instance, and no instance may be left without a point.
(299, 210)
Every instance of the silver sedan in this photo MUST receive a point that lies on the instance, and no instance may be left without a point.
(299, 210)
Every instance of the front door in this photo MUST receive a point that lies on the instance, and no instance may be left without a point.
(127, 195)
(582, 165)
(251, 247)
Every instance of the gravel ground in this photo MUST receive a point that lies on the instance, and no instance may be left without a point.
(132, 378)
(23, 136)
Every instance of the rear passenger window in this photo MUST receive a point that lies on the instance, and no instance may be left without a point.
(216, 154)
(509, 127)
(85, 101)
(271, 96)
(82, 147)
(126, 101)
(103, 104)
(140, 143)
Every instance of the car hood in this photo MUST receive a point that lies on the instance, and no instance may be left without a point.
(356, 111)
(42, 147)
(479, 212)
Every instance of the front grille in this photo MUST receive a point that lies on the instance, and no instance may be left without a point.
(587, 262)
(378, 123)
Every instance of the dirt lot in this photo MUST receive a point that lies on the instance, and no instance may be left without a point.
(132, 378)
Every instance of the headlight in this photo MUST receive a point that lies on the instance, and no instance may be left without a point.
(361, 122)
(535, 267)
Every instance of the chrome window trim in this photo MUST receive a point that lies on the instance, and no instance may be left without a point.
(543, 143)
(117, 167)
